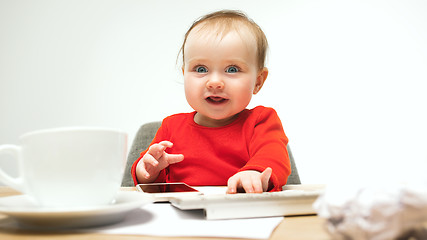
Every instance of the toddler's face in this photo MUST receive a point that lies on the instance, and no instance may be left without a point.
(220, 75)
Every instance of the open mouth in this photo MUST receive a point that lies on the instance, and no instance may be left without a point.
(216, 100)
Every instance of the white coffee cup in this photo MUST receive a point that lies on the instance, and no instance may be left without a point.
(69, 167)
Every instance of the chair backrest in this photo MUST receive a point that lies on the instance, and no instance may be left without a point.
(145, 135)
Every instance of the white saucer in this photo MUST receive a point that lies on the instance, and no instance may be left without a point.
(27, 213)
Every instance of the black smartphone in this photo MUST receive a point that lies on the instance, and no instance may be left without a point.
(163, 192)
(165, 188)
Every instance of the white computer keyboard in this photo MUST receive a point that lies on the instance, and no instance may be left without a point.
(242, 205)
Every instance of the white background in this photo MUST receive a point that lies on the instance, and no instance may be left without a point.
(346, 77)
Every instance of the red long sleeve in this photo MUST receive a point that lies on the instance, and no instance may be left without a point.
(254, 141)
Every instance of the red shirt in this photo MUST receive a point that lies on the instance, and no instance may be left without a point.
(255, 140)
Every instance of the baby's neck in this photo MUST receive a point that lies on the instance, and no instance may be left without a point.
(209, 122)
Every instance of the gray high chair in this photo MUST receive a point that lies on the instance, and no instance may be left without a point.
(145, 135)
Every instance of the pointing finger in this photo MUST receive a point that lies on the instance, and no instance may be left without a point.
(175, 158)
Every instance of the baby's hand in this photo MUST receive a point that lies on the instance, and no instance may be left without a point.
(250, 181)
(155, 160)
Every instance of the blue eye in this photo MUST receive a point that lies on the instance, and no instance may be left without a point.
(201, 69)
(232, 69)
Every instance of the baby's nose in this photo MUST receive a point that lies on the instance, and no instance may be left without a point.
(215, 82)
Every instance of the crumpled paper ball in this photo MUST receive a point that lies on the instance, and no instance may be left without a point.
(374, 212)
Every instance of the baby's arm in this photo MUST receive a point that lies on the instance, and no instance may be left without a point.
(251, 181)
(155, 160)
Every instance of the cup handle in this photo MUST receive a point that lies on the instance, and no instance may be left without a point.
(16, 183)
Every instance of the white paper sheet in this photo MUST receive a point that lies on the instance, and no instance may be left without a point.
(162, 219)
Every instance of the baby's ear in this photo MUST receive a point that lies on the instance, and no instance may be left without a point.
(261, 77)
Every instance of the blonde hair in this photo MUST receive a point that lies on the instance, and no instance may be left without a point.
(227, 20)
